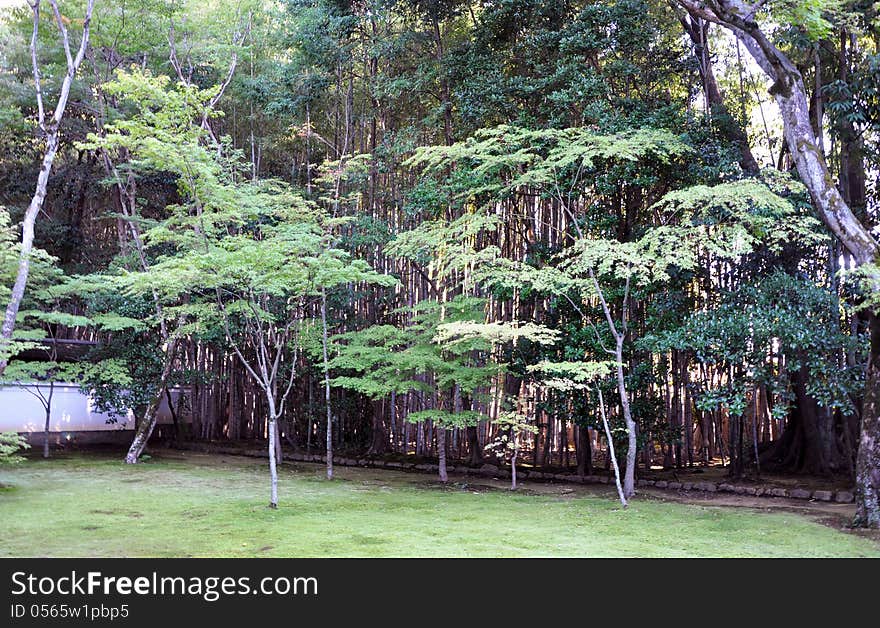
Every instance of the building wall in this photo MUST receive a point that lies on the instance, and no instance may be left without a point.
(73, 413)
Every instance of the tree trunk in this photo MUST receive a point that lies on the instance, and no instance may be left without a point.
(52, 130)
(327, 384)
(584, 452)
(629, 480)
(440, 433)
(868, 458)
(513, 462)
(621, 491)
(148, 423)
(790, 93)
(273, 468)
(475, 454)
(698, 31)
(27, 243)
(378, 435)
(278, 453)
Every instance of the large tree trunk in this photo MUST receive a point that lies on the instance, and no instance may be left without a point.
(584, 452)
(804, 446)
(868, 458)
(440, 433)
(378, 434)
(791, 96)
(475, 454)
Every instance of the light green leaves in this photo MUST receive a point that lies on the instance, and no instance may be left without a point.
(569, 376)
(495, 333)
(503, 158)
(738, 215)
(10, 444)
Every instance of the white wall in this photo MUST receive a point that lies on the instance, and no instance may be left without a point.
(72, 411)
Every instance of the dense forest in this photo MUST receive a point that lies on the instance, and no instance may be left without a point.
(613, 234)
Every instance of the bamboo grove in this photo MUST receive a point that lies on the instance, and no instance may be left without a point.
(602, 236)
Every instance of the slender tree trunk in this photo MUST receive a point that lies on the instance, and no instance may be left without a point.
(48, 419)
(27, 242)
(278, 453)
(621, 492)
(327, 384)
(513, 462)
(52, 129)
(148, 423)
(629, 480)
(273, 467)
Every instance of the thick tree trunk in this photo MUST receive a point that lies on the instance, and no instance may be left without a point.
(378, 434)
(791, 96)
(868, 458)
(440, 433)
(475, 454)
(584, 452)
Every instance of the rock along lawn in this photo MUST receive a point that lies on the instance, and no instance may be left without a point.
(198, 505)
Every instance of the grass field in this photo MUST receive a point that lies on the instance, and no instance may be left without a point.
(199, 505)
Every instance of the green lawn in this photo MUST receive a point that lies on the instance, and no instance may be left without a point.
(197, 505)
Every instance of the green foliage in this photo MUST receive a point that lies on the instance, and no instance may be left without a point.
(511, 425)
(44, 276)
(791, 319)
(569, 376)
(495, 333)
(10, 444)
(447, 247)
(445, 418)
(501, 159)
(383, 359)
(815, 17)
(745, 214)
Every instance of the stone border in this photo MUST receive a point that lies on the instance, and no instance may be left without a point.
(489, 470)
